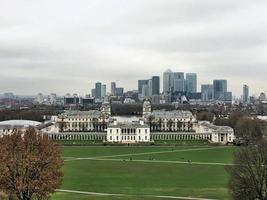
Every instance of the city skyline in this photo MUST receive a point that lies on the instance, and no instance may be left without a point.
(65, 47)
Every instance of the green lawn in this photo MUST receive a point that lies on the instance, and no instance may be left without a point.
(140, 177)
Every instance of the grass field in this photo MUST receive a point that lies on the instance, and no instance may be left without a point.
(150, 172)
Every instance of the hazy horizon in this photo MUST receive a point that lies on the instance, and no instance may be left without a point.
(66, 46)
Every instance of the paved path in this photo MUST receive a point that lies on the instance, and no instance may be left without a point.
(108, 194)
(163, 161)
(145, 153)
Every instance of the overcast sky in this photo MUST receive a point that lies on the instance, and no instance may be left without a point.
(67, 45)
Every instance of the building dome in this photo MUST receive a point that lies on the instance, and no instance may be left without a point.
(146, 103)
(20, 123)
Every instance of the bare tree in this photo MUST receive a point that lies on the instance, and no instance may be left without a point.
(248, 175)
(30, 165)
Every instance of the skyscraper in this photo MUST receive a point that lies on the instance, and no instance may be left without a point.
(145, 91)
(149, 87)
(155, 85)
(98, 87)
(207, 92)
(119, 91)
(219, 89)
(191, 82)
(141, 83)
(167, 81)
(113, 88)
(245, 94)
(178, 82)
(103, 90)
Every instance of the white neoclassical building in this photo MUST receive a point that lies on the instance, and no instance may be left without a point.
(152, 126)
(128, 132)
(218, 134)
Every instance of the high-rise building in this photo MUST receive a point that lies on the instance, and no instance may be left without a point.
(93, 92)
(103, 90)
(219, 89)
(119, 91)
(191, 82)
(155, 85)
(145, 91)
(140, 85)
(245, 94)
(98, 87)
(167, 81)
(149, 87)
(207, 92)
(113, 88)
(178, 82)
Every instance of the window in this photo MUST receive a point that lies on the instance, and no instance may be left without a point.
(110, 130)
(139, 130)
(117, 130)
(117, 138)
(145, 137)
(110, 137)
(145, 130)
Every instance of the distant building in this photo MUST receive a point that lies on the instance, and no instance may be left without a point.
(178, 82)
(119, 91)
(155, 85)
(207, 92)
(145, 90)
(191, 82)
(245, 94)
(155, 99)
(87, 101)
(98, 87)
(8, 95)
(219, 89)
(93, 92)
(71, 100)
(262, 96)
(167, 81)
(149, 87)
(103, 91)
(141, 83)
(113, 88)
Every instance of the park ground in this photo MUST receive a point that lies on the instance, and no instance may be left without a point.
(145, 172)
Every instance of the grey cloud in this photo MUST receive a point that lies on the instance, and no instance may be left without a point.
(68, 45)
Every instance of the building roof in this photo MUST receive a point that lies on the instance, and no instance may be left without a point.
(126, 119)
(216, 128)
(81, 114)
(20, 123)
(172, 114)
(128, 125)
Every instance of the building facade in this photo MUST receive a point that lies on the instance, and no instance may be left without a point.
(155, 85)
(207, 92)
(219, 89)
(128, 132)
(191, 82)
(245, 94)
(167, 82)
(178, 82)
